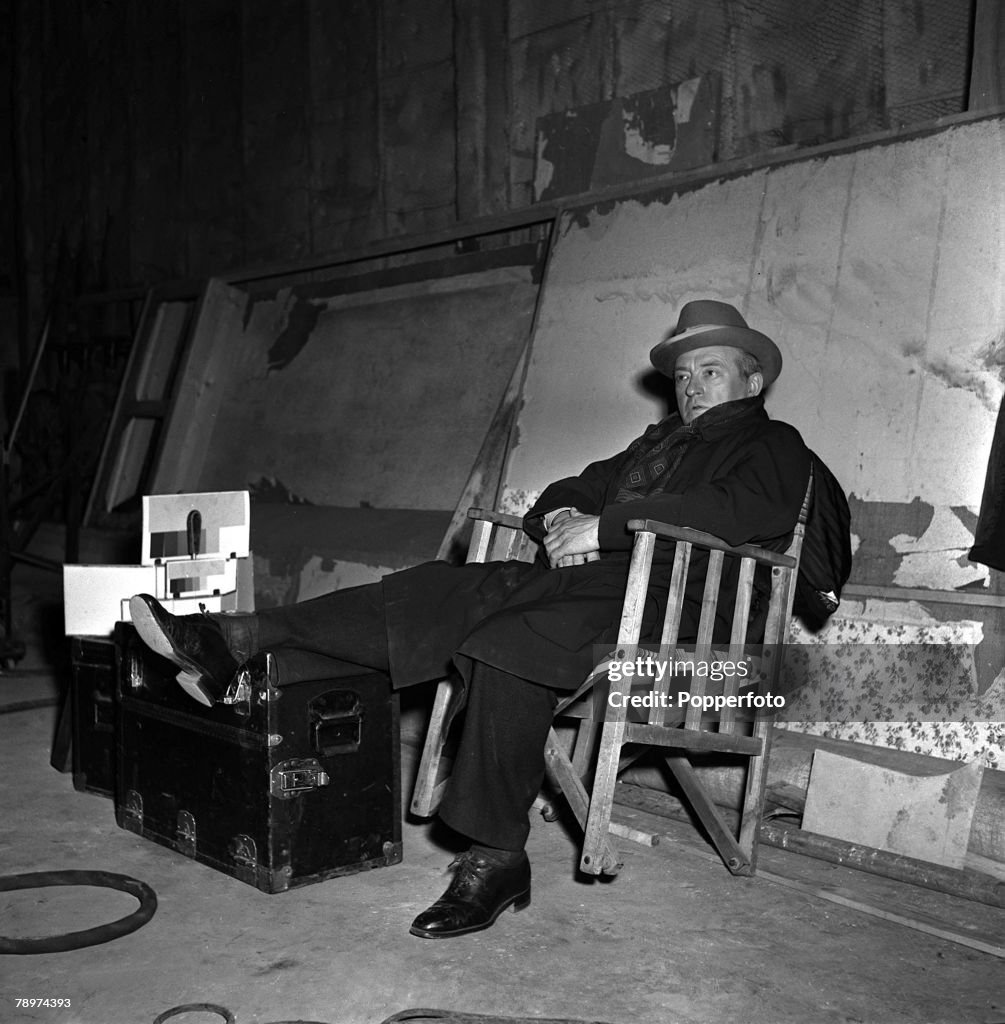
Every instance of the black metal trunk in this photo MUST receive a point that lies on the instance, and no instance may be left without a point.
(93, 713)
(294, 780)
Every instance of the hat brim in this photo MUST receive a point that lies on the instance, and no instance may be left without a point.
(664, 355)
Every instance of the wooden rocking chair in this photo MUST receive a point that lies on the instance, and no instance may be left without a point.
(603, 705)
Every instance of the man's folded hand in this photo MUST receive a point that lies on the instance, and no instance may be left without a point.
(572, 539)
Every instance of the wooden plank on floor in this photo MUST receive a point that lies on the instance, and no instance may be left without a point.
(917, 921)
(951, 918)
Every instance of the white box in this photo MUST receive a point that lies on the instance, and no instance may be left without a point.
(95, 597)
(92, 595)
(224, 525)
(220, 578)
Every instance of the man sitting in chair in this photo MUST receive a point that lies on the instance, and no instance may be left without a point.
(520, 633)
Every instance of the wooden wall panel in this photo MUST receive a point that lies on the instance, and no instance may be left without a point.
(415, 35)
(343, 38)
(7, 228)
(345, 191)
(483, 101)
(26, 197)
(557, 68)
(230, 132)
(645, 38)
(805, 76)
(157, 212)
(418, 114)
(656, 44)
(110, 169)
(64, 128)
(925, 44)
(418, 109)
(212, 165)
(11, 310)
(345, 194)
(275, 116)
(528, 17)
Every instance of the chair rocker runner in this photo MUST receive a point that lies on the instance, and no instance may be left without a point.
(673, 731)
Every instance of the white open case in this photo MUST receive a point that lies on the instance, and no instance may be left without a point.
(195, 554)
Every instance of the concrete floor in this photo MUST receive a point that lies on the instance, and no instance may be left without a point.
(673, 939)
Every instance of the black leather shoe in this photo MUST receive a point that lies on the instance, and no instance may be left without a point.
(195, 643)
(480, 892)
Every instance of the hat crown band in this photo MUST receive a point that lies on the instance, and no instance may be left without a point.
(698, 329)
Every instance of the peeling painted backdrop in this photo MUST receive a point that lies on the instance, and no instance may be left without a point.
(879, 273)
(379, 398)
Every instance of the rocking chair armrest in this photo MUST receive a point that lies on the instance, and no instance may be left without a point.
(686, 534)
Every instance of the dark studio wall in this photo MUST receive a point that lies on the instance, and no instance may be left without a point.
(160, 139)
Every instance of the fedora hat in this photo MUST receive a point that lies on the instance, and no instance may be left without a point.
(707, 322)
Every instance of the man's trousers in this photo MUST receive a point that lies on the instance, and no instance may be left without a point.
(499, 766)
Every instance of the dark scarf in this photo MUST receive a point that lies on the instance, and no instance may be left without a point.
(652, 459)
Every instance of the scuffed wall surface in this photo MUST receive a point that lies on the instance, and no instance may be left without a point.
(879, 272)
(381, 398)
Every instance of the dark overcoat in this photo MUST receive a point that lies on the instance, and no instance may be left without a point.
(743, 480)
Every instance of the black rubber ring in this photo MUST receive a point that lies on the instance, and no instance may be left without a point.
(195, 1008)
(89, 936)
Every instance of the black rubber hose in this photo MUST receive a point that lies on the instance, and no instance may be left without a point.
(89, 936)
(227, 1016)
(176, 1011)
